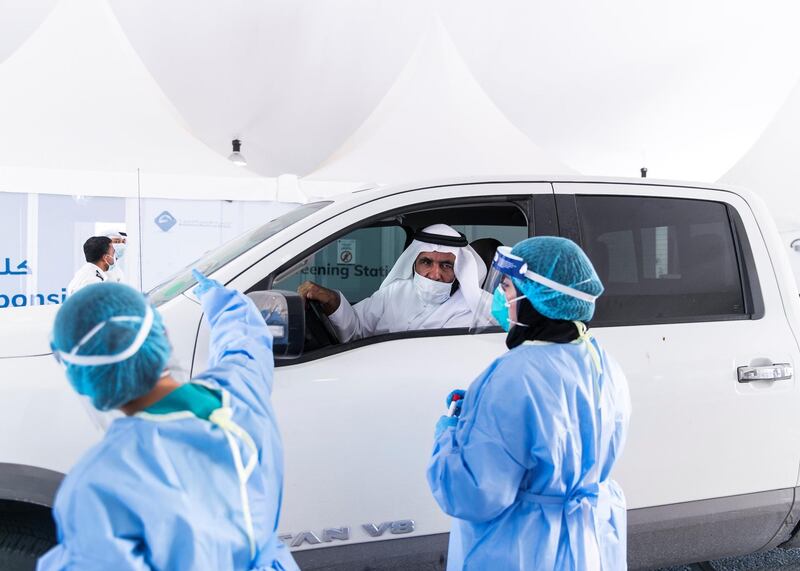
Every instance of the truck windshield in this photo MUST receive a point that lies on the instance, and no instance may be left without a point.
(215, 259)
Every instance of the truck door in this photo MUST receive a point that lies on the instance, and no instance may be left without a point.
(691, 308)
(357, 419)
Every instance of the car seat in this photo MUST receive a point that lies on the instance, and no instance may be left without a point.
(486, 248)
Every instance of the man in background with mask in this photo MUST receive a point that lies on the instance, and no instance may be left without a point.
(120, 242)
(435, 283)
(100, 257)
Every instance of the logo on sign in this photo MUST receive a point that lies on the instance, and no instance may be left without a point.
(165, 221)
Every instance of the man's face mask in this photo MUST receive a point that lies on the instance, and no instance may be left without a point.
(431, 291)
(119, 250)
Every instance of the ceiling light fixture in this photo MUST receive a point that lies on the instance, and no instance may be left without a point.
(236, 157)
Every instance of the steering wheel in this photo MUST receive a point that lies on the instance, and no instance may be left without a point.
(327, 326)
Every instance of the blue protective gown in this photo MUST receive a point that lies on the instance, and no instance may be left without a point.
(526, 471)
(162, 492)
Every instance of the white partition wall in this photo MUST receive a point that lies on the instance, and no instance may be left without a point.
(13, 249)
(42, 236)
(176, 232)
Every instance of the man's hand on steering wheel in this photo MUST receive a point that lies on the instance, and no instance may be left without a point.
(327, 298)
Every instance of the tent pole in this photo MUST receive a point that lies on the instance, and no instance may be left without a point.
(32, 245)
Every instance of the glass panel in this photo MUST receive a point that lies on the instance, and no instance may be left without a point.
(65, 223)
(13, 251)
(356, 264)
(42, 238)
(186, 238)
(177, 232)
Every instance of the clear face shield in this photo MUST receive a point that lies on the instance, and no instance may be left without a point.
(494, 301)
(505, 265)
(102, 419)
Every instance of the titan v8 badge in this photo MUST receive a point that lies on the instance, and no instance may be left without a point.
(330, 534)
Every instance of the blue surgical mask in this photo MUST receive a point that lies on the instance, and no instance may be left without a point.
(500, 307)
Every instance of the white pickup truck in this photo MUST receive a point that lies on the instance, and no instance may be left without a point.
(700, 308)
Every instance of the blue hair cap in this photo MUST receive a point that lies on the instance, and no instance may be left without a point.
(562, 261)
(113, 385)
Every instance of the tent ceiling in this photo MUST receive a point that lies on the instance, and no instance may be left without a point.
(435, 122)
(771, 167)
(85, 101)
(79, 113)
(683, 87)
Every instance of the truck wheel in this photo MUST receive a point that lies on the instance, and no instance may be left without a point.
(22, 542)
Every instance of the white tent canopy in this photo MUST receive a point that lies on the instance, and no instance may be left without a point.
(436, 121)
(772, 166)
(80, 114)
(682, 87)
(606, 88)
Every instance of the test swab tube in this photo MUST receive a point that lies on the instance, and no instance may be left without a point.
(453, 404)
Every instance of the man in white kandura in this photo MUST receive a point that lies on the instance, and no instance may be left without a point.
(435, 283)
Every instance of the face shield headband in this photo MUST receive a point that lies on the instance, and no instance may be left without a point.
(507, 264)
(73, 358)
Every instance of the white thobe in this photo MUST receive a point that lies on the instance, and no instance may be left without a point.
(88, 274)
(397, 307)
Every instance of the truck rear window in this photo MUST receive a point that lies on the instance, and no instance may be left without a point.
(661, 259)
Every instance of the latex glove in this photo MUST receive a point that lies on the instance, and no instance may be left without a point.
(444, 423)
(204, 284)
(459, 402)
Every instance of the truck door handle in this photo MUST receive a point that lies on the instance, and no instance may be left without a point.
(774, 372)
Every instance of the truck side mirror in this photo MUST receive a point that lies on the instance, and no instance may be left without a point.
(284, 313)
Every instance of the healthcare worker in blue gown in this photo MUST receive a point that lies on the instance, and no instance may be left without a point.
(525, 468)
(191, 476)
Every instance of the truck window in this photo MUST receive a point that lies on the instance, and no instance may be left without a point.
(661, 259)
(355, 264)
(357, 261)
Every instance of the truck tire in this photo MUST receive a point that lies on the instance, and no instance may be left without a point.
(22, 542)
